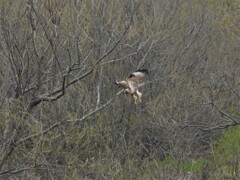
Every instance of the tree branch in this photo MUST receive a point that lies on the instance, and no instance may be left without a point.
(51, 96)
(15, 171)
(234, 122)
(95, 110)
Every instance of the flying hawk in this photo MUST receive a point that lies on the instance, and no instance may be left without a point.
(132, 83)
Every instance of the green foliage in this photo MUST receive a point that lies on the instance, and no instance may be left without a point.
(195, 166)
(225, 156)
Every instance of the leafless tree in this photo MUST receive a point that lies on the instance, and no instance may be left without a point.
(61, 115)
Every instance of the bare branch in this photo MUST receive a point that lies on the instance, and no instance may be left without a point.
(15, 171)
(92, 112)
(234, 122)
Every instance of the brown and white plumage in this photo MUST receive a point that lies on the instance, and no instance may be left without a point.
(132, 83)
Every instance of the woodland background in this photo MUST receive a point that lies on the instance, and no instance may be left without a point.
(62, 117)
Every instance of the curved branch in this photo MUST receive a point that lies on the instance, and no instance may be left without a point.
(92, 112)
(234, 122)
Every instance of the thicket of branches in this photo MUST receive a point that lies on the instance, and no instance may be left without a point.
(61, 116)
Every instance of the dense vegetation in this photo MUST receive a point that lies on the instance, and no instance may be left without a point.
(62, 117)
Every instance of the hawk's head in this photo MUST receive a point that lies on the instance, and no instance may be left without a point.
(122, 84)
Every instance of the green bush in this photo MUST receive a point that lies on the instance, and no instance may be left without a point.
(226, 153)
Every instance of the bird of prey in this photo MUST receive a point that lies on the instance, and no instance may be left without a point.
(132, 83)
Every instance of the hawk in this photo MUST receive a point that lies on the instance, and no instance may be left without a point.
(132, 83)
